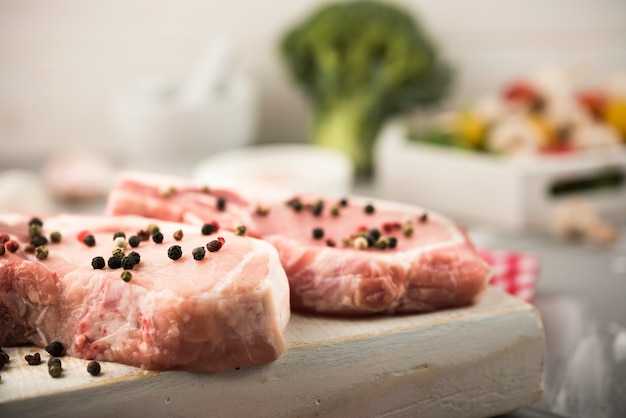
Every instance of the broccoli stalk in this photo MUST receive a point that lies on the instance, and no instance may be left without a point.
(345, 126)
(360, 64)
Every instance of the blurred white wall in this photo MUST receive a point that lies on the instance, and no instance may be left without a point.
(61, 61)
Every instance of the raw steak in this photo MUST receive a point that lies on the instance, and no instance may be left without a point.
(226, 310)
(330, 271)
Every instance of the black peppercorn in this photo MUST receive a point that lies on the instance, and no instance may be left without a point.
(375, 233)
(55, 370)
(262, 210)
(134, 241)
(317, 208)
(35, 221)
(382, 243)
(89, 240)
(128, 263)
(55, 237)
(221, 203)
(135, 256)
(318, 233)
(38, 240)
(198, 253)
(343, 202)
(55, 349)
(3, 250)
(54, 360)
(114, 262)
(393, 242)
(119, 234)
(126, 275)
(41, 252)
(5, 356)
(93, 368)
(369, 209)
(175, 252)
(157, 237)
(207, 229)
(34, 230)
(424, 217)
(295, 204)
(117, 252)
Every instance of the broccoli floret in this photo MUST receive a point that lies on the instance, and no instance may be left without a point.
(361, 63)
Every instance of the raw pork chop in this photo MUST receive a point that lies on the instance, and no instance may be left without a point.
(352, 267)
(412, 260)
(226, 310)
(178, 200)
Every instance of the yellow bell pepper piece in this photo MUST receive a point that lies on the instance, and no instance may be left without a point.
(471, 128)
(615, 115)
(545, 129)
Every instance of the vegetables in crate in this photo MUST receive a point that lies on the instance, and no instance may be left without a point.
(542, 112)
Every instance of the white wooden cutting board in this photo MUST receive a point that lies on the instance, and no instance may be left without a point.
(478, 361)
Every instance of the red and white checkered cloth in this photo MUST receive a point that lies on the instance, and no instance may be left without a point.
(514, 272)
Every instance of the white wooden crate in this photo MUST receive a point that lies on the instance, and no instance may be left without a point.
(477, 361)
(509, 193)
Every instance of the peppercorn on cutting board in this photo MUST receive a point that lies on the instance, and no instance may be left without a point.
(482, 360)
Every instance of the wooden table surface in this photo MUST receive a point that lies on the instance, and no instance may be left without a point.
(482, 360)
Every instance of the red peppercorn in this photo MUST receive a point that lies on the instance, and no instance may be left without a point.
(362, 228)
(221, 240)
(330, 242)
(12, 245)
(391, 226)
(4, 238)
(144, 235)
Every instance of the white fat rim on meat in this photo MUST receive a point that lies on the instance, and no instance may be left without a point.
(259, 246)
(225, 280)
(275, 280)
(39, 320)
